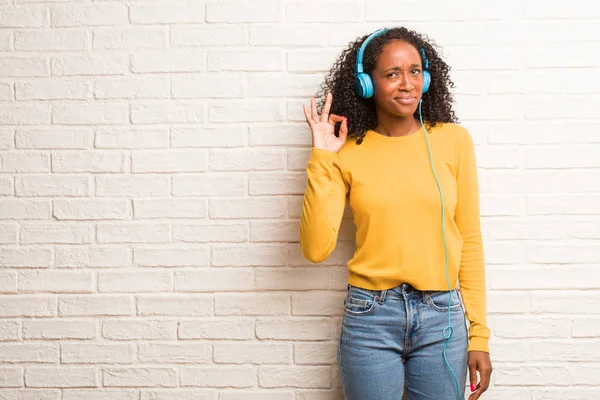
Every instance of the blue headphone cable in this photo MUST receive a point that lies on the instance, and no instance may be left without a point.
(447, 332)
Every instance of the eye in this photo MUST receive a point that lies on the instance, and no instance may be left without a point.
(416, 71)
(391, 74)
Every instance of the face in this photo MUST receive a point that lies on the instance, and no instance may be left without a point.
(398, 79)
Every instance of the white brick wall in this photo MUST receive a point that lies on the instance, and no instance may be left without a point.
(152, 161)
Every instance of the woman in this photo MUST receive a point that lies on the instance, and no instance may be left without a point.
(410, 176)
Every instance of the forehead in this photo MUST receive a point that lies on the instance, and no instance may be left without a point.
(397, 52)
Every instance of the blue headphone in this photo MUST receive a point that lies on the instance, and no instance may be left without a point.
(363, 82)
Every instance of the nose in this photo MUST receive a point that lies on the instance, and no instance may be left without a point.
(405, 81)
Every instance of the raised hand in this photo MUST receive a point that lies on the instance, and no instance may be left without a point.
(323, 132)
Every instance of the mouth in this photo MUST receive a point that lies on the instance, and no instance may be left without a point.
(405, 100)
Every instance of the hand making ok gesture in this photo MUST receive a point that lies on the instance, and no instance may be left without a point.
(323, 136)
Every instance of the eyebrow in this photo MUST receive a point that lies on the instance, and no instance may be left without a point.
(397, 68)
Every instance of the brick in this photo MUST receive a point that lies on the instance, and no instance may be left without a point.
(246, 60)
(86, 353)
(138, 38)
(277, 183)
(171, 60)
(210, 35)
(167, 112)
(52, 39)
(60, 377)
(11, 377)
(232, 11)
(8, 233)
(6, 186)
(315, 353)
(29, 353)
(168, 208)
(207, 85)
(54, 89)
(56, 281)
(255, 111)
(59, 329)
(132, 185)
(29, 114)
(52, 185)
(82, 209)
(88, 64)
(8, 282)
(128, 138)
(267, 207)
(24, 17)
(54, 138)
(210, 232)
(184, 394)
(171, 257)
(185, 352)
(293, 329)
(230, 377)
(24, 66)
(214, 279)
(252, 304)
(317, 303)
(213, 184)
(129, 282)
(245, 160)
(99, 394)
(95, 257)
(296, 376)
(292, 278)
(289, 135)
(139, 330)
(30, 394)
(63, 233)
(139, 377)
(25, 257)
(217, 329)
(95, 305)
(172, 14)
(99, 14)
(132, 88)
(133, 233)
(84, 113)
(255, 255)
(171, 161)
(88, 162)
(207, 137)
(10, 330)
(252, 353)
(175, 304)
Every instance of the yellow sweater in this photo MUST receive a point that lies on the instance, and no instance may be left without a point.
(396, 205)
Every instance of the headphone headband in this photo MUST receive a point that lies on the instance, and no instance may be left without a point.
(359, 58)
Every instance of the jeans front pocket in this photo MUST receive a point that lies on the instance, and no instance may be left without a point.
(438, 300)
(359, 301)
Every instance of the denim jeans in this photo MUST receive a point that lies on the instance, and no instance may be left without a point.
(391, 344)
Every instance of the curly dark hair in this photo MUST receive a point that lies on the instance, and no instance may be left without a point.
(437, 102)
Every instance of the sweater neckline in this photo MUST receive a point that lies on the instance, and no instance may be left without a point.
(394, 139)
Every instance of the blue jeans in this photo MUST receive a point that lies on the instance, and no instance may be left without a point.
(391, 344)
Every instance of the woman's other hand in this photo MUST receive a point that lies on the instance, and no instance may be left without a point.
(323, 127)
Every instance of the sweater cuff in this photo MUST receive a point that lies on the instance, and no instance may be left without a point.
(317, 154)
(479, 344)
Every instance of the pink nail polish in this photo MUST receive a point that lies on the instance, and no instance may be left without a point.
(472, 387)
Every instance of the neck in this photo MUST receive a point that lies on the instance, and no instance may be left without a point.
(397, 126)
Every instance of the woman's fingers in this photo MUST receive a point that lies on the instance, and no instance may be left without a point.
(313, 106)
(344, 129)
(308, 119)
(326, 108)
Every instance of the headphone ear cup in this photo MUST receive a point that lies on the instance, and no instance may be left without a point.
(426, 81)
(364, 85)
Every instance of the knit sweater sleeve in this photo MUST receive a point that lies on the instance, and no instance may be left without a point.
(323, 205)
(472, 268)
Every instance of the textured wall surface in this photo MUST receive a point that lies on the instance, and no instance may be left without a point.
(152, 158)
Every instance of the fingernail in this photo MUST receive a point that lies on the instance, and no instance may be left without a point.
(472, 387)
